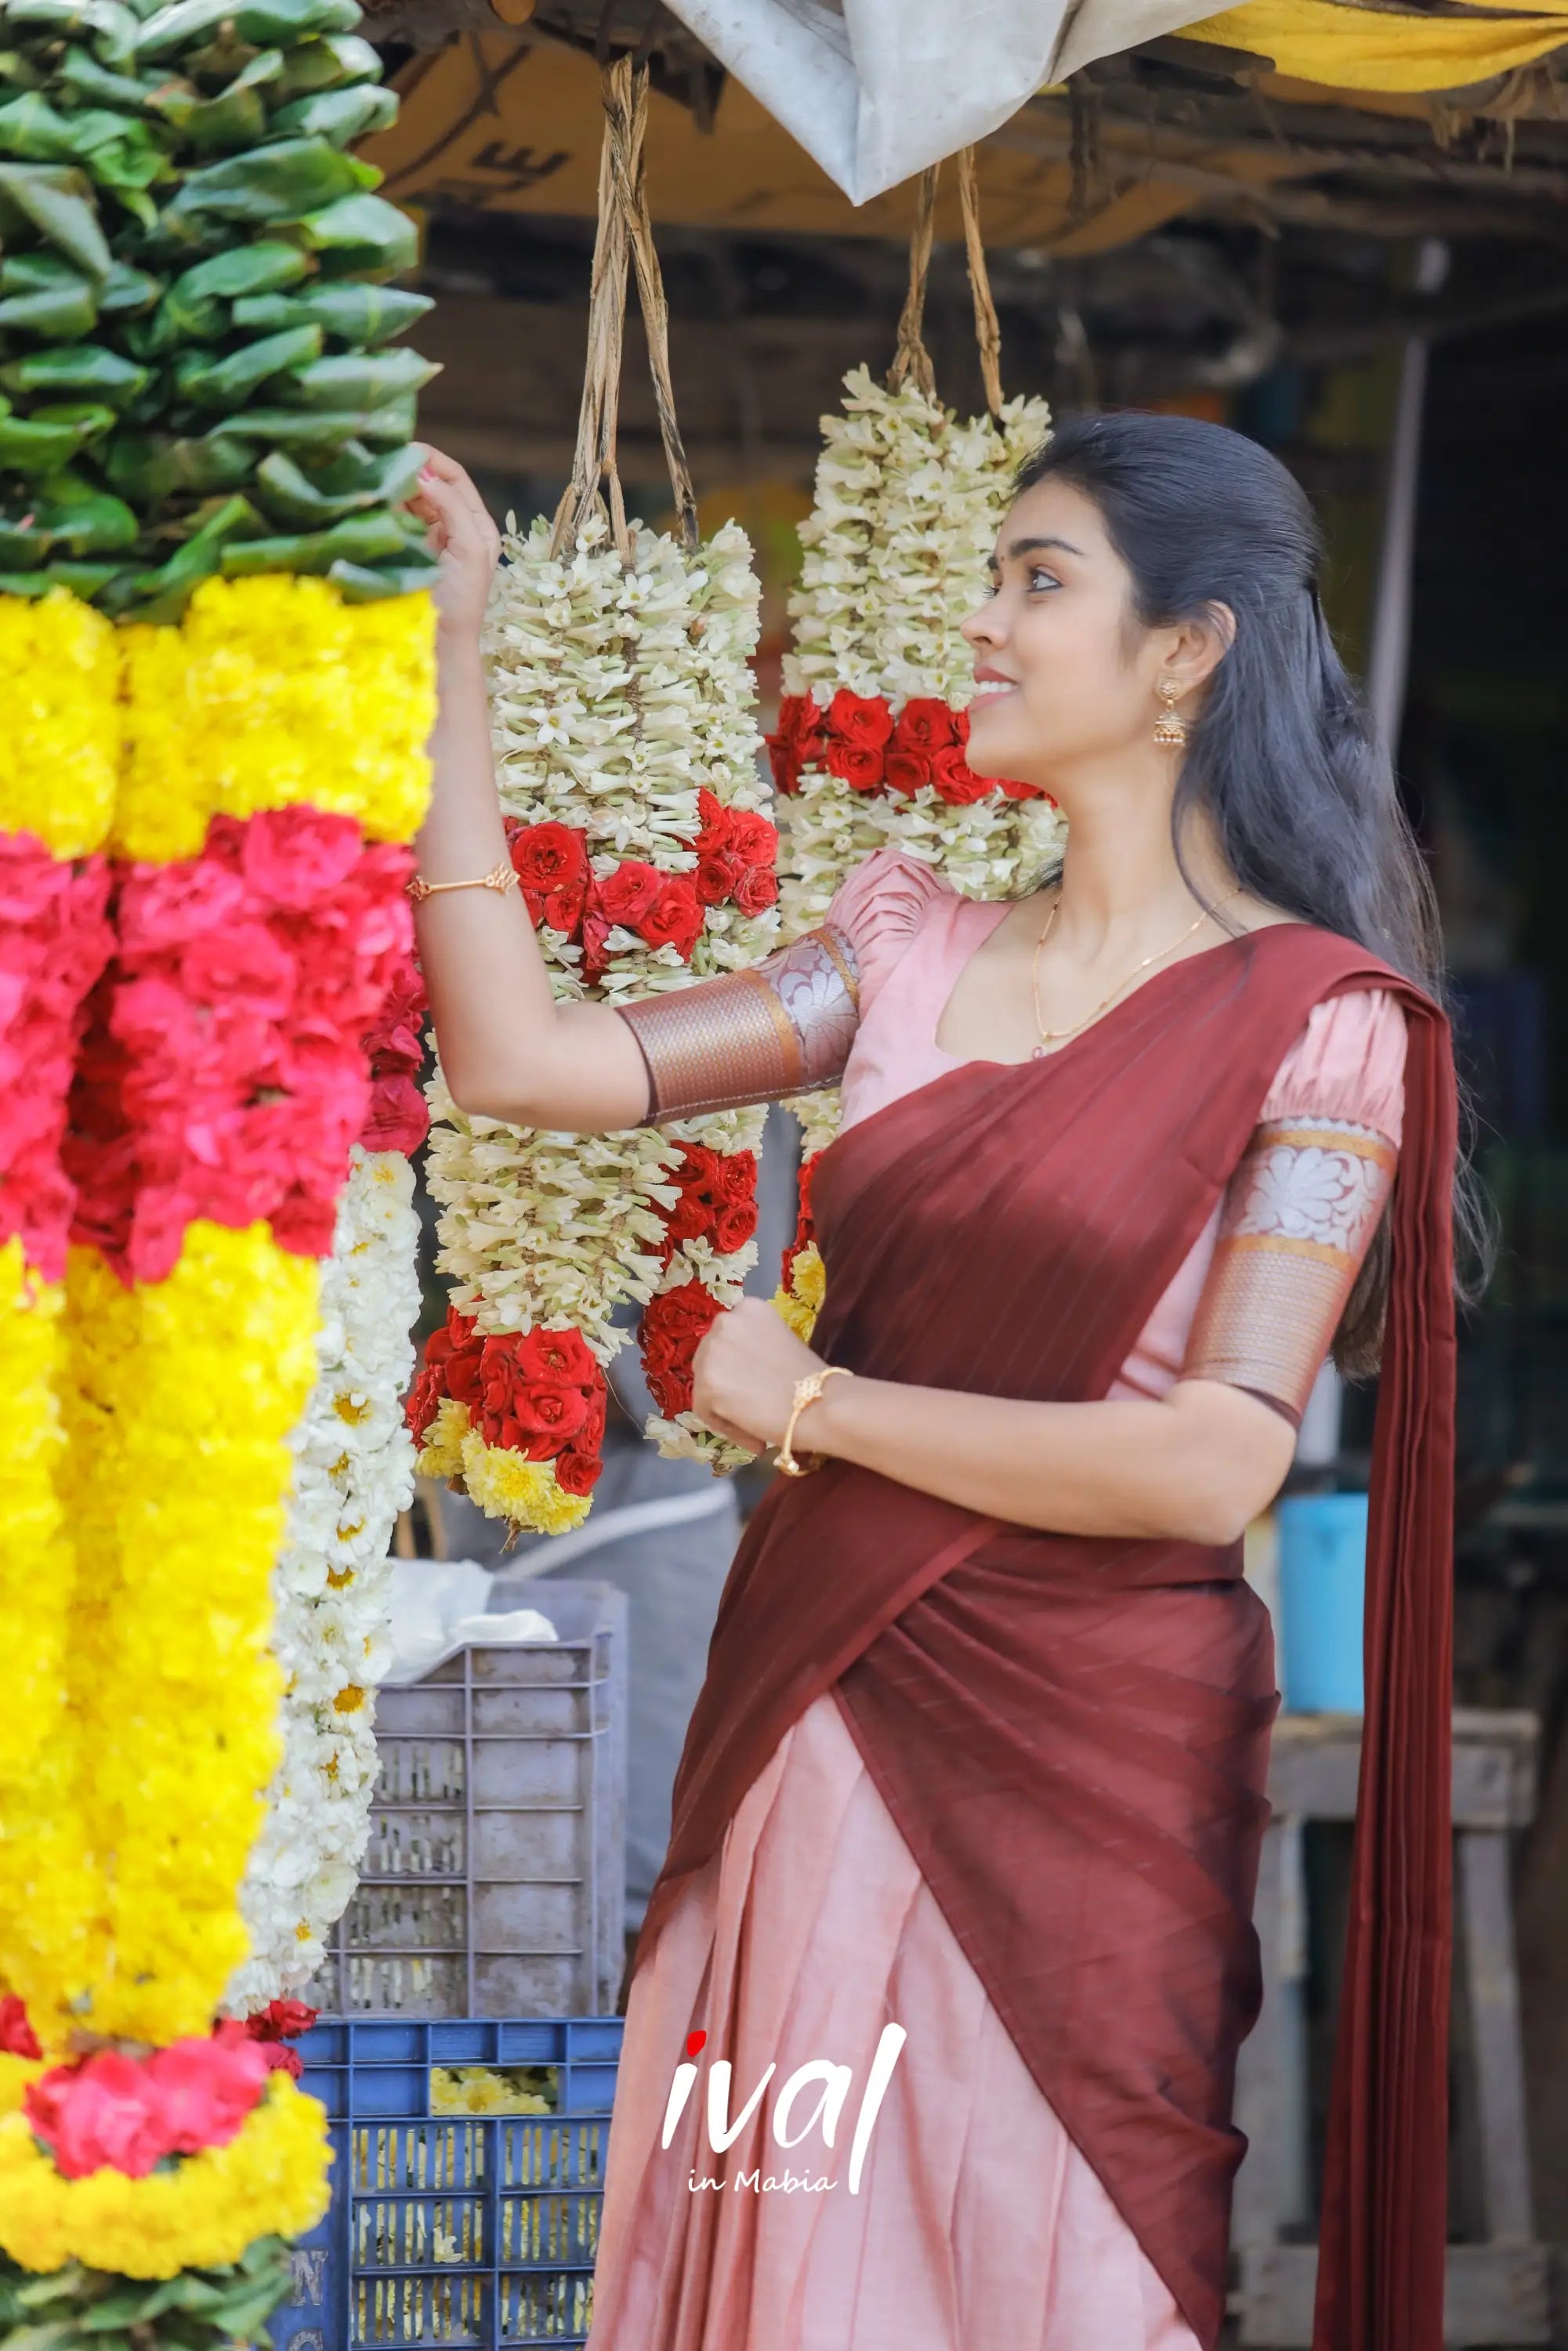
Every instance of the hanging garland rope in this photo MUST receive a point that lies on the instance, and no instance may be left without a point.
(868, 748)
(626, 748)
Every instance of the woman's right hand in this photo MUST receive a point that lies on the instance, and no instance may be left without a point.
(467, 542)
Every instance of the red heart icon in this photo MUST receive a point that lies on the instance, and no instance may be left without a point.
(696, 2040)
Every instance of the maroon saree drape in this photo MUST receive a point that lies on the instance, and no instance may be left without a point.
(1071, 1733)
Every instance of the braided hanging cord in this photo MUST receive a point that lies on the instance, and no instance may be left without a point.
(911, 359)
(988, 330)
(625, 234)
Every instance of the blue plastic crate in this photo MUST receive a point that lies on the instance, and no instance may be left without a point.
(453, 2229)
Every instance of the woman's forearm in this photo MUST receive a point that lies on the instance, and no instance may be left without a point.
(1194, 1466)
(507, 1050)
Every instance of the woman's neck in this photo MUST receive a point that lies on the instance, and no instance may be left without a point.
(1121, 880)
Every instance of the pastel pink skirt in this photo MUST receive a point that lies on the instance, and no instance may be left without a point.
(976, 2221)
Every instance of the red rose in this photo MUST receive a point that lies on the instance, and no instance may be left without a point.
(925, 724)
(673, 1326)
(595, 943)
(563, 1356)
(859, 768)
(795, 741)
(734, 1226)
(863, 720)
(954, 779)
(578, 1473)
(625, 896)
(551, 856)
(735, 1174)
(714, 880)
(17, 2038)
(907, 770)
(757, 889)
(1024, 791)
(752, 840)
(545, 1410)
(675, 918)
(562, 909)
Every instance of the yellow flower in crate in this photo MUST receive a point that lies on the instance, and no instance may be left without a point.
(181, 1399)
(271, 2179)
(60, 745)
(273, 692)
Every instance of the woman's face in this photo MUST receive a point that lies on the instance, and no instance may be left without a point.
(1066, 675)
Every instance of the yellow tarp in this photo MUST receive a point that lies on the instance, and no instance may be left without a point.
(1359, 48)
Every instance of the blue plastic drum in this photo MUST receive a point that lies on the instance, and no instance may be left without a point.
(1323, 1597)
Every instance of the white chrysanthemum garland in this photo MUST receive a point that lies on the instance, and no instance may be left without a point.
(353, 1473)
(623, 721)
(869, 751)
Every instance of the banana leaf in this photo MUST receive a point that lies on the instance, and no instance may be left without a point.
(20, 70)
(23, 546)
(57, 202)
(79, 72)
(91, 419)
(85, 368)
(226, 383)
(328, 64)
(360, 315)
(266, 21)
(148, 468)
(363, 584)
(168, 30)
(341, 115)
(126, 288)
(162, 594)
(283, 183)
(86, 580)
(259, 269)
(118, 150)
(62, 312)
(219, 126)
(113, 29)
(297, 428)
(27, 446)
(86, 520)
(361, 237)
(359, 540)
(357, 380)
(287, 495)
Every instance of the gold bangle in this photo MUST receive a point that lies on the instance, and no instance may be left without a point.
(807, 1391)
(500, 877)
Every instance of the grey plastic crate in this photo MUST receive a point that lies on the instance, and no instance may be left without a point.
(494, 1880)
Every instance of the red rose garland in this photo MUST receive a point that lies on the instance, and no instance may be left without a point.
(540, 1395)
(859, 740)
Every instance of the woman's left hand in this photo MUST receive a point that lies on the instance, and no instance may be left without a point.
(744, 1373)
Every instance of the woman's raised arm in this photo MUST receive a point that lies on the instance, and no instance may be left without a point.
(507, 1048)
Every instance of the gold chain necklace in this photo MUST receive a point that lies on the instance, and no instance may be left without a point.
(1058, 1036)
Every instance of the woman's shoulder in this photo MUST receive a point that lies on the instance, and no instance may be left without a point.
(1346, 1064)
(879, 905)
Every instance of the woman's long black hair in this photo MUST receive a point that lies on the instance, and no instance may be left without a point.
(1283, 759)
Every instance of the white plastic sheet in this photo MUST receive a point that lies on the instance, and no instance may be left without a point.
(439, 1606)
(876, 89)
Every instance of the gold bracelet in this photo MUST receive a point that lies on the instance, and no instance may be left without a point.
(807, 1391)
(500, 877)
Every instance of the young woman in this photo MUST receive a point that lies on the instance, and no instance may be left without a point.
(982, 1743)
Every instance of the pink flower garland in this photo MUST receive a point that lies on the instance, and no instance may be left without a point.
(55, 941)
(223, 1075)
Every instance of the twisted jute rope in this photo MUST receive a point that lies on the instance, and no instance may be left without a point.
(624, 234)
(911, 359)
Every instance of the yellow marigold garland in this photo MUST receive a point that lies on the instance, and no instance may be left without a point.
(181, 1399)
(60, 745)
(270, 2178)
(273, 692)
(34, 1557)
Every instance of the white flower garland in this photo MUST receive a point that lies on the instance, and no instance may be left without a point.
(618, 692)
(353, 1474)
(907, 502)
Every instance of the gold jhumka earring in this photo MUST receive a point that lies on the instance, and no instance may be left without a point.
(1170, 731)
